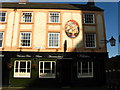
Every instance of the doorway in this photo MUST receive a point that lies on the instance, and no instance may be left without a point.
(64, 71)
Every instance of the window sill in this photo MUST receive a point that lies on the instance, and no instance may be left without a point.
(26, 23)
(53, 48)
(89, 24)
(85, 76)
(24, 48)
(2, 48)
(55, 23)
(3, 22)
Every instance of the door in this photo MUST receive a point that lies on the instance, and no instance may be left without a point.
(64, 71)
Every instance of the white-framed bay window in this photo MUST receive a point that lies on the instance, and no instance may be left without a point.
(89, 18)
(85, 69)
(2, 16)
(90, 40)
(1, 39)
(54, 17)
(22, 69)
(25, 39)
(53, 40)
(47, 69)
(26, 17)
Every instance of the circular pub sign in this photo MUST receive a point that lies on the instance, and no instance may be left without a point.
(72, 29)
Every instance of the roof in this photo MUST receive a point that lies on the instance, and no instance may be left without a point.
(29, 5)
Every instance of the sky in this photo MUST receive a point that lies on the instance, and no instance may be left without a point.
(110, 15)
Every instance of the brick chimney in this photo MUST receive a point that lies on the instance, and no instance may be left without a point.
(90, 2)
(23, 1)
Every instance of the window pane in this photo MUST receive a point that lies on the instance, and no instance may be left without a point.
(1, 35)
(41, 65)
(54, 39)
(27, 17)
(28, 70)
(2, 16)
(89, 18)
(54, 17)
(48, 69)
(85, 69)
(16, 70)
(22, 64)
(0, 43)
(25, 39)
(16, 64)
(22, 70)
(90, 40)
(47, 65)
(1, 38)
(28, 64)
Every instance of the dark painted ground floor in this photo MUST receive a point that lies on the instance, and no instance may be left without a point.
(112, 78)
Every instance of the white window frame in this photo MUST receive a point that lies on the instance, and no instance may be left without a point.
(23, 19)
(86, 18)
(55, 19)
(53, 43)
(22, 74)
(4, 16)
(91, 40)
(2, 39)
(84, 75)
(21, 39)
(43, 75)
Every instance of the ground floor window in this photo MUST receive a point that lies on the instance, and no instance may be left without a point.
(47, 69)
(22, 69)
(84, 69)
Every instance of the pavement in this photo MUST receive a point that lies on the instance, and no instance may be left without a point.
(62, 88)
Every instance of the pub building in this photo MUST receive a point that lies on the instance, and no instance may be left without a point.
(52, 44)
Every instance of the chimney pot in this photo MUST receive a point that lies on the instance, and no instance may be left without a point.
(23, 1)
(90, 2)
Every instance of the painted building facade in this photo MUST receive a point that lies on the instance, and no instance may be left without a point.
(47, 42)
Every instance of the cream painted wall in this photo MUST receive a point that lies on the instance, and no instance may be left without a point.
(40, 28)
(100, 30)
(25, 26)
(76, 42)
(54, 27)
(89, 28)
(2, 26)
(39, 35)
(66, 17)
(9, 29)
(15, 28)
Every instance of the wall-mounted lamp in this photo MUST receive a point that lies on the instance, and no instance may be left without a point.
(112, 41)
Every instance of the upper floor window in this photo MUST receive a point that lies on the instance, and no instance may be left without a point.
(27, 17)
(22, 69)
(90, 40)
(47, 69)
(88, 18)
(85, 69)
(1, 39)
(2, 16)
(53, 40)
(25, 39)
(54, 17)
